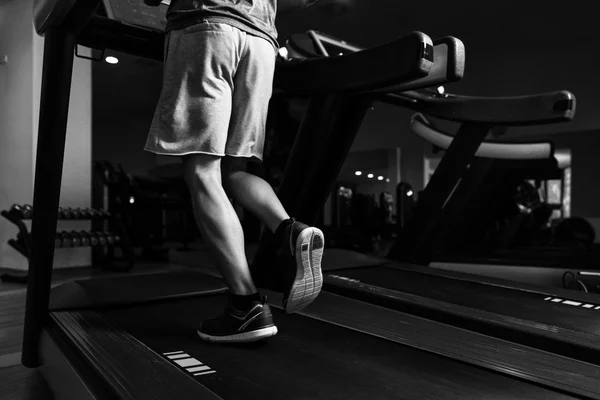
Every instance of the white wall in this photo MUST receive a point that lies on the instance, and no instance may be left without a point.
(16, 97)
(20, 88)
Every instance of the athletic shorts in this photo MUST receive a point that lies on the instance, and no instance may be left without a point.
(217, 84)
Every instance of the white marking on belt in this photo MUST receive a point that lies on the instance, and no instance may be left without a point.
(198, 369)
(205, 373)
(188, 362)
(172, 352)
(178, 356)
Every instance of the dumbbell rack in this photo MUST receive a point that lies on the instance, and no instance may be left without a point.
(103, 240)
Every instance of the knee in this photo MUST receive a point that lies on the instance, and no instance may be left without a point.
(202, 172)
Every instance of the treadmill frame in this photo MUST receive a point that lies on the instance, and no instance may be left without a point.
(81, 347)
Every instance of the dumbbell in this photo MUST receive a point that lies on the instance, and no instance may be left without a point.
(65, 239)
(100, 239)
(85, 238)
(27, 211)
(76, 238)
(17, 211)
(94, 241)
(76, 213)
(65, 213)
(69, 213)
(84, 213)
(109, 237)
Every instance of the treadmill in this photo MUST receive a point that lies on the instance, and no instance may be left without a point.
(485, 190)
(560, 321)
(480, 209)
(133, 337)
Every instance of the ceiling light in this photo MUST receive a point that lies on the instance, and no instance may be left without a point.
(111, 60)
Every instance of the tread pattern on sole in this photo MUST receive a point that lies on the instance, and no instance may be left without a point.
(309, 278)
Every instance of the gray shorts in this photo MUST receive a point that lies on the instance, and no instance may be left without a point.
(217, 84)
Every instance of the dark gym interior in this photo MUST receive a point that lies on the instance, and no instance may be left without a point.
(423, 252)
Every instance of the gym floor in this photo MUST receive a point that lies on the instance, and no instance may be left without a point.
(20, 383)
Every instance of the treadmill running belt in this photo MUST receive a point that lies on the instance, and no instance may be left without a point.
(501, 300)
(309, 359)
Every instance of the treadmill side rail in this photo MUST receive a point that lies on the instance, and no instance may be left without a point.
(119, 361)
(553, 339)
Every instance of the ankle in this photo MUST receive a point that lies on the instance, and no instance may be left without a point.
(243, 302)
(274, 222)
(282, 225)
(279, 233)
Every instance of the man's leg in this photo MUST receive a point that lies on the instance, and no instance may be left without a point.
(217, 221)
(253, 193)
(247, 317)
(298, 274)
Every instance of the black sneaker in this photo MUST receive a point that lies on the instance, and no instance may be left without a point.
(235, 326)
(299, 258)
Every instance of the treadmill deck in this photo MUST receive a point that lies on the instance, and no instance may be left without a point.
(309, 359)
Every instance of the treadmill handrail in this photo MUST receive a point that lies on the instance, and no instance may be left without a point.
(48, 13)
(448, 63)
(495, 150)
(535, 109)
(70, 15)
(401, 60)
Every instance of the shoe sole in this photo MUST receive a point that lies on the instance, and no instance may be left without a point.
(242, 337)
(309, 278)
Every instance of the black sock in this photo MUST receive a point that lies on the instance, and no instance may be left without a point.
(243, 302)
(278, 234)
